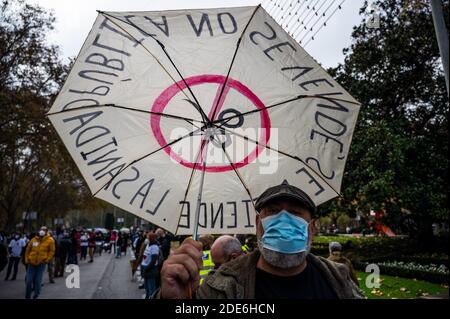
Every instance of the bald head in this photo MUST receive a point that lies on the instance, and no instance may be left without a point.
(224, 249)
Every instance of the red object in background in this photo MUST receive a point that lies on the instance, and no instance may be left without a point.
(77, 237)
(378, 225)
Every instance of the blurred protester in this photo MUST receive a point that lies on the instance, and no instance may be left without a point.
(336, 256)
(119, 242)
(125, 242)
(40, 250)
(224, 249)
(138, 241)
(84, 245)
(137, 246)
(107, 243)
(61, 253)
(142, 249)
(249, 244)
(99, 243)
(164, 240)
(3, 256)
(208, 265)
(73, 248)
(91, 246)
(113, 240)
(15, 247)
(51, 263)
(149, 265)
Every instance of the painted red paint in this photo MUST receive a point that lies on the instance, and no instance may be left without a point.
(164, 98)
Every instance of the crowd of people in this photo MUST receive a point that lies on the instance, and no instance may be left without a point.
(51, 251)
(276, 263)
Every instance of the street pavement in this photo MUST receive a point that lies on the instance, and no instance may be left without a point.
(106, 278)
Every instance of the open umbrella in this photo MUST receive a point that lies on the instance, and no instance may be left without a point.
(124, 230)
(101, 230)
(184, 117)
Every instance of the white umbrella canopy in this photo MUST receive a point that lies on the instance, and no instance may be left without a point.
(161, 107)
(124, 230)
(101, 230)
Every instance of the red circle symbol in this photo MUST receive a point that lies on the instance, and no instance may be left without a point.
(164, 98)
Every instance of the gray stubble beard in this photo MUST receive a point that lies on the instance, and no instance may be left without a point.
(282, 260)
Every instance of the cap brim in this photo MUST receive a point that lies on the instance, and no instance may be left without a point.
(299, 199)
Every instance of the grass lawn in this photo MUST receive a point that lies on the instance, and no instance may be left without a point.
(402, 288)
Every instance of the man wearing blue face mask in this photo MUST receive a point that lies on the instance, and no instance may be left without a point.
(281, 267)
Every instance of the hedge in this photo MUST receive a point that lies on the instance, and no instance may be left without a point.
(434, 277)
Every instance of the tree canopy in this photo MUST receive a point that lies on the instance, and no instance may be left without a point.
(37, 173)
(398, 160)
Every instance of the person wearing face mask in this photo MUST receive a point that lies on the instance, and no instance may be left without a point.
(281, 268)
(15, 253)
(39, 252)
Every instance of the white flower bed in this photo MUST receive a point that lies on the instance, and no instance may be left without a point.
(415, 266)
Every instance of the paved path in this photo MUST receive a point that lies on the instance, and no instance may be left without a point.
(107, 277)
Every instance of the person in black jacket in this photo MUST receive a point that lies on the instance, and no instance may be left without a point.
(3, 256)
(73, 259)
(119, 243)
(62, 250)
(164, 240)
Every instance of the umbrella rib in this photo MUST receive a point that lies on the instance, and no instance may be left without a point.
(281, 152)
(108, 16)
(299, 97)
(189, 120)
(189, 182)
(237, 174)
(145, 156)
(232, 61)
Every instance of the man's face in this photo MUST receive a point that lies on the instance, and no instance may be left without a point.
(275, 207)
(217, 256)
(278, 259)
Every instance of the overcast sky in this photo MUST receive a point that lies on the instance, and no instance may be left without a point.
(75, 19)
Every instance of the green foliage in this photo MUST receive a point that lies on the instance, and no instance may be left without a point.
(342, 222)
(325, 222)
(37, 172)
(398, 160)
(373, 249)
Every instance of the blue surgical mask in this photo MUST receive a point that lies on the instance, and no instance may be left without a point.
(285, 233)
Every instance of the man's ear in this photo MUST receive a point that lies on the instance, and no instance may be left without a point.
(233, 256)
(314, 227)
(257, 223)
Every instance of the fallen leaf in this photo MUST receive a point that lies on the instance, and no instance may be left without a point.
(403, 289)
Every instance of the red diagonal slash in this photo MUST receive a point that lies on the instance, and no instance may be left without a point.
(163, 99)
(215, 110)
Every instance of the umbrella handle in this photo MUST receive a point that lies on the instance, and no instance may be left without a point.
(188, 291)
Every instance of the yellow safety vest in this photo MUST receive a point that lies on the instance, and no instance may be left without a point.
(208, 265)
(246, 249)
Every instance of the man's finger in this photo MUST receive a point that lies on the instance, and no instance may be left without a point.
(188, 263)
(198, 245)
(176, 271)
(195, 254)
